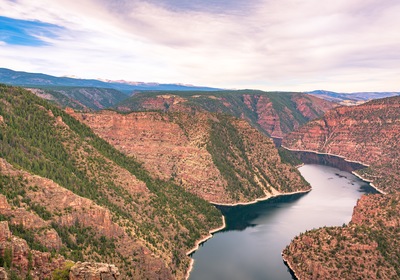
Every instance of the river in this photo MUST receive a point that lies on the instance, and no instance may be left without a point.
(250, 246)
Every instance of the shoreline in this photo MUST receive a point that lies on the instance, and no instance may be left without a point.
(259, 199)
(369, 182)
(199, 242)
(300, 165)
(328, 154)
(291, 270)
(211, 232)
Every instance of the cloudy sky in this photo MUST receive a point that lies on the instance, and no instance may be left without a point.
(341, 45)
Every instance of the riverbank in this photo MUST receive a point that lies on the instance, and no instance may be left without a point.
(199, 242)
(211, 232)
(260, 199)
(289, 266)
(327, 154)
(369, 182)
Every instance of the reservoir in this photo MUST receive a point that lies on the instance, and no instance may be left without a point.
(250, 246)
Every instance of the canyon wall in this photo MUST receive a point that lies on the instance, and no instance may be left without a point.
(273, 113)
(65, 190)
(369, 246)
(221, 159)
(367, 133)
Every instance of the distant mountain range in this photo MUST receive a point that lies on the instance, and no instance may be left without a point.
(99, 94)
(351, 98)
(25, 79)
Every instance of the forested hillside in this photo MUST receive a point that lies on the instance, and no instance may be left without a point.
(215, 156)
(57, 176)
(80, 98)
(274, 113)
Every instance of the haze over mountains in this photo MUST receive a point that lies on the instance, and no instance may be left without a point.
(26, 79)
(351, 98)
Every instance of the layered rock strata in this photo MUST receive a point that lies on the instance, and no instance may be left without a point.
(202, 152)
(369, 246)
(274, 113)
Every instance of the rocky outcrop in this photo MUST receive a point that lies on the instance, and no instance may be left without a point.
(23, 261)
(93, 271)
(19, 257)
(48, 237)
(72, 210)
(185, 147)
(3, 274)
(274, 113)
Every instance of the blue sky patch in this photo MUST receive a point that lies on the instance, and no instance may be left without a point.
(210, 6)
(26, 33)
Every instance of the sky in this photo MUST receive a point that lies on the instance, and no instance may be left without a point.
(295, 45)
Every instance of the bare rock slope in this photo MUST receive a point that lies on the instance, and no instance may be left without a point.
(221, 159)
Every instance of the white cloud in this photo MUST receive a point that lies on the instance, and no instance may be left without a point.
(286, 44)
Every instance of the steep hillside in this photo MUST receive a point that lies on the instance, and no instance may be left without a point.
(80, 98)
(219, 158)
(367, 248)
(368, 133)
(65, 190)
(274, 113)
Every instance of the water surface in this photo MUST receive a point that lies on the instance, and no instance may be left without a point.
(251, 245)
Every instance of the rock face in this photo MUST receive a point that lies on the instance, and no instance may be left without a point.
(274, 113)
(369, 246)
(93, 271)
(3, 274)
(22, 259)
(66, 190)
(368, 133)
(206, 153)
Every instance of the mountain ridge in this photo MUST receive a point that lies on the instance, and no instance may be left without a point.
(273, 113)
(219, 158)
(27, 79)
(353, 98)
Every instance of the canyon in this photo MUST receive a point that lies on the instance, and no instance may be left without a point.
(273, 113)
(129, 192)
(128, 189)
(221, 159)
(368, 245)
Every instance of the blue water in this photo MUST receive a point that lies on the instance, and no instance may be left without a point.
(251, 245)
